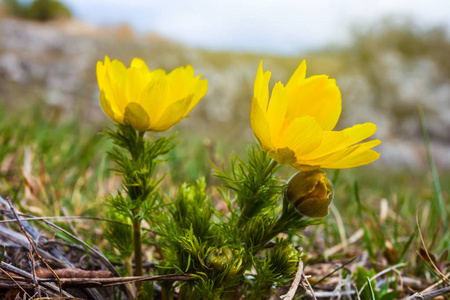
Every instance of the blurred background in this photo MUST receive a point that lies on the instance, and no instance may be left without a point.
(388, 57)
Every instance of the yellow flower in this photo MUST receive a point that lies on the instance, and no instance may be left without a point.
(147, 100)
(296, 125)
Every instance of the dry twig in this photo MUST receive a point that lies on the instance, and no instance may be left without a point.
(429, 295)
(298, 280)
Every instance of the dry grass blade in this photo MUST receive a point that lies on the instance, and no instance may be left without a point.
(112, 281)
(33, 249)
(310, 289)
(94, 251)
(436, 284)
(341, 227)
(299, 276)
(122, 280)
(15, 282)
(22, 241)
(430, 295)
(48, 285)
(434, 268)
(27, 217)
(298, 280)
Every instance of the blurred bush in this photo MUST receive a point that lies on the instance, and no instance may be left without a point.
(40, 10)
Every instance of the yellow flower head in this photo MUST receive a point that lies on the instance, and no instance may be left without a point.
(147, 100)
(296, 125)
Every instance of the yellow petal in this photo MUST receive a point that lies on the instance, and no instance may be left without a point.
(113, 84)
(135, 83)
(276, 111)
(337, 157)
(110, 95)
(115, 94)
(303, 135)
(362, 156)
(157, 73)
(153, 98)
(141, 68)
(298, 77)
(106, 106)
(331, 142)
(199, 89)
(260, 125)
(359, 132)
(101, 73)
(179, 81)
(173, 114)
(137, 117)
(330, 158)
(318, 97)
(334, 141)
(138, 63)
(261, 87)
(117, 71)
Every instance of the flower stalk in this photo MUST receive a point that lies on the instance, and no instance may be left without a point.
(137, 250)
(136, 159)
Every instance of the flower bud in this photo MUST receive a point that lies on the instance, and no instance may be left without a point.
(310, 192)
(220, 259)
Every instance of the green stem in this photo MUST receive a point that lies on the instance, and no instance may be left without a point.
(136, 220)
(137, 250)
(140, 147)
(288, 214)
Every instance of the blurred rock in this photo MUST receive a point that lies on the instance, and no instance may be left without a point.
(12, 68)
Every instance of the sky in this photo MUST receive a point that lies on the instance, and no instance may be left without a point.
(271, 26)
